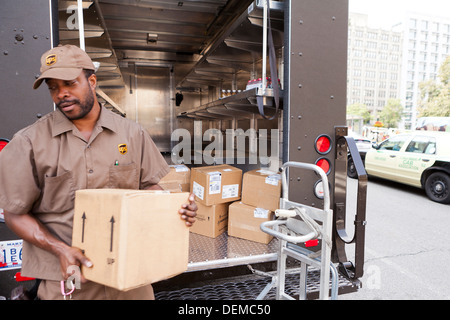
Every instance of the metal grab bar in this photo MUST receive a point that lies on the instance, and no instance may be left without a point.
(267, 228)
(345, 145)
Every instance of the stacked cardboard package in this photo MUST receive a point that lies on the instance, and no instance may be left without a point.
(177, 180)
(261, 191)
(214, 187)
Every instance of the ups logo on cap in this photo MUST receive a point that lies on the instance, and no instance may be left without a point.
(50, 60)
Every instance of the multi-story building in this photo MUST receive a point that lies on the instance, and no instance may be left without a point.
(426, 46)
(374, 64)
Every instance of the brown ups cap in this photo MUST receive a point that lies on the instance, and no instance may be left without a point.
(63, 63)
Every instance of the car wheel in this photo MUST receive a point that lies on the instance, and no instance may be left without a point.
(351, 169)
(437, 187)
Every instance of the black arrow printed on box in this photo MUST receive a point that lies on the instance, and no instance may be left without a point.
(112, 232)
(82, 230)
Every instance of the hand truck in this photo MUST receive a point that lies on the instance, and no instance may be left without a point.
(298, 223)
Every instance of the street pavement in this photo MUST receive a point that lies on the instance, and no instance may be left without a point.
(407, 252)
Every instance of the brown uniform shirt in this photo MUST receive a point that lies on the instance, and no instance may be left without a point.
(45, 163)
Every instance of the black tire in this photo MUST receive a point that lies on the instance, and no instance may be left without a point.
(437, 187)
(351, 169)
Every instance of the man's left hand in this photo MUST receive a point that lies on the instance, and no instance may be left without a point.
(188, 211)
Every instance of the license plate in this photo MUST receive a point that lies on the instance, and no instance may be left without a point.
(10, 254)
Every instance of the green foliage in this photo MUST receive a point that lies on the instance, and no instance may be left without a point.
(392, 113)
(435, 95)
(359, 109)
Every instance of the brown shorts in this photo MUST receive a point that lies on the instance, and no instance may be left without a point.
(51, 290)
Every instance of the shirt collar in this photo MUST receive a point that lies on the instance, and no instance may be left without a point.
(61, 124)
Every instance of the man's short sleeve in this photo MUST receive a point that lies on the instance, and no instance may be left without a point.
(153, 165)
(18, 183)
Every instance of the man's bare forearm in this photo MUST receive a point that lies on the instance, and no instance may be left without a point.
(33, 231)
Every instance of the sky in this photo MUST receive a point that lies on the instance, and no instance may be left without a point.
(386, 13)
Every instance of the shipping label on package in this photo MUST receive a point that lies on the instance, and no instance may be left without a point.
(179, 167)
(230, 191)
(215, 182)
(261, 213)
(273, 179)
(198, 190)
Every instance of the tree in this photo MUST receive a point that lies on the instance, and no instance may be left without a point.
(435, 95)
(391, 113)
(360, 110)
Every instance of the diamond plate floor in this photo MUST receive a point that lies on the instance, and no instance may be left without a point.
(249, 287)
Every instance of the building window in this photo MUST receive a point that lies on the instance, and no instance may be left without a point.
(371, 45)
(371, 64)
(435, 26)
(357, 53)
(371, 54)
(372, 35)
(423, 46)
(369, 93)
(370, 74)
(357, 63)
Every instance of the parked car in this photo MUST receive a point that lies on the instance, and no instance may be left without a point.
(419, 158)
(363, 144)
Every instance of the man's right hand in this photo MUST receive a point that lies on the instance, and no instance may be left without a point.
(32, 230)
(71, 256)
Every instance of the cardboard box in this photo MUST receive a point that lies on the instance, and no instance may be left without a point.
(211, 221)
(216, 184)
(133, 237)
(244, 222)
(177, 180)
(262, 188)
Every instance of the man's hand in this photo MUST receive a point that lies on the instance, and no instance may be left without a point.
(188, 211)
(27, 227)
(71, 256)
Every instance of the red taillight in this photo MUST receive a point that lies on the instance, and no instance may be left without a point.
(323, 144)
(3, 144)
(324, 163)
(323, 147)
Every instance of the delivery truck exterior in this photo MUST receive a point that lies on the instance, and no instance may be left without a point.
(249, 84)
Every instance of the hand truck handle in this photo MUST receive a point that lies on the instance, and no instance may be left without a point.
(267, 228)
(308, 166)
